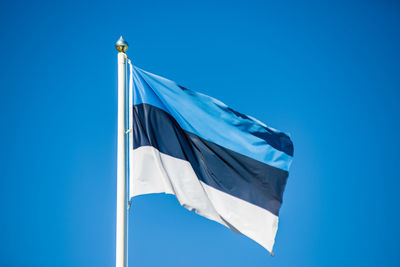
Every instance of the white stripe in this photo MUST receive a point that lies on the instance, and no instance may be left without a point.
(155, 172)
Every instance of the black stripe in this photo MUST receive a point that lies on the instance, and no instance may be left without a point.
(219, 167)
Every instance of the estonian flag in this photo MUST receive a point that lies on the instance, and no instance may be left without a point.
(219, 163)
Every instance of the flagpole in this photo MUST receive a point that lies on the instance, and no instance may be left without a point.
(120, 258)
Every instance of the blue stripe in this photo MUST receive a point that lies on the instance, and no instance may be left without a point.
(213, 121)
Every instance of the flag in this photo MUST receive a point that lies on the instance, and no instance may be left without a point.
(219, 163)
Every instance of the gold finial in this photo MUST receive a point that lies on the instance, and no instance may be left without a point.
(121, 45)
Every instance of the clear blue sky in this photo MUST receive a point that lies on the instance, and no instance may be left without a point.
(328, 73)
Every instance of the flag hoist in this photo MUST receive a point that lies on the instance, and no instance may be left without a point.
(121, 46)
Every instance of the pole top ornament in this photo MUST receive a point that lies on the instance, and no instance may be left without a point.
(121, 45)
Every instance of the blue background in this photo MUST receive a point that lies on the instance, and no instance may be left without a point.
(328, 72)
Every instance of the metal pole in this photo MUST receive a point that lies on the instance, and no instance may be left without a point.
(121, 46)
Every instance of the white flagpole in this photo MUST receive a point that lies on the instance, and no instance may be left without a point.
(121, 46)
